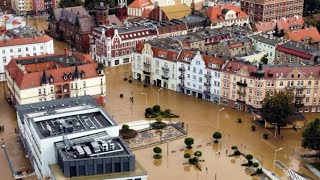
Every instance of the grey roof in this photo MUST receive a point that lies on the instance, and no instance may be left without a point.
(264, 38)
(193, 19)
(113, 19)
(22, 32)
(87, 23)
(300, 47)
(135, 28)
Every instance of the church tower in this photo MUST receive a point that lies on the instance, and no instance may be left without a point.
(102, 14)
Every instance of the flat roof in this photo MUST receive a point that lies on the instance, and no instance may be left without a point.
(58, 174)
(65, 116)
(91, 146)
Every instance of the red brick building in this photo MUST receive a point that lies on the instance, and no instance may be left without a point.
(74, 24)
(266, 10)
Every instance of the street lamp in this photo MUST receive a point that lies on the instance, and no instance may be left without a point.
(275, 129)
(274, 160)
(158, 95)
(219, 117)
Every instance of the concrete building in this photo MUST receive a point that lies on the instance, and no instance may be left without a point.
(167, 13)
(284, 25)
(10, 21)
(293, 52)
(227, 15)
(49, 77)
(137, 7)
(5, 6)
(307, 36)
(12, 45)
(266, 10)
(266, 43)
(74, 137)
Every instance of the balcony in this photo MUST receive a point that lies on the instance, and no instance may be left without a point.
(244, 84)
(300, 87)
(181, 77)
(181, 85)
(165, 77)
(146, 64)
(290, 88)
(241, 93)
(146, 72)
(182, 69)
(300, 95)
(207, 84)
(207, 92)
(298, 105)
(165, 69)
(208, 76)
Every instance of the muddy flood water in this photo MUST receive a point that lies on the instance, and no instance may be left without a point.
(201, 118)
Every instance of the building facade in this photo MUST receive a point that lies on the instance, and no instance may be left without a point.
(23, 47)
(49, 77)
(5, 6)
(266, 10)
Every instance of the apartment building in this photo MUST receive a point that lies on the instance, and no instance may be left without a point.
(5, 6)
(137, 7)
(227, 15)
(75, 138)
(266, 10)
(283, 24)
(48, 77)
(307, 36)
(22, 47)
(293, 52)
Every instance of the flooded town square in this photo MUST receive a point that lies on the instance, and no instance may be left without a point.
(201, 119)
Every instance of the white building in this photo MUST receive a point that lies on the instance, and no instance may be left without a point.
(10, 21)
(159, 63)
(267, 44)
(23, 47)
(43, 125)
(137, 7)
(49, 77)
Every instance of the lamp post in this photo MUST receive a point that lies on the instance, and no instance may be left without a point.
(275, 129)
(158, 96)
(145, 94)
(274, 160)
(219, 117)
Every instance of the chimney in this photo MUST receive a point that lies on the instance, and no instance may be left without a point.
(65, 52)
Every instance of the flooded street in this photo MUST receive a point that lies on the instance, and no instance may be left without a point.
(201, 118)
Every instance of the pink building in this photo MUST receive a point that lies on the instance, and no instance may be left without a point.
(38, 7)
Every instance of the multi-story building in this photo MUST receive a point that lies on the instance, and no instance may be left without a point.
(75, 138)
(293, 52)
(5, 6)
(227, 15)
(167, 13)
(284, 25)
(74, 24)
(307, 36)
(162, 64)
(23, 47)
(137, 7)
(10, 21)
(38, 7)
(49, 77)
(266, 43)
(266, 10)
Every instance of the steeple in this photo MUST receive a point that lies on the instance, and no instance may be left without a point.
(76, 73)
(44, 79)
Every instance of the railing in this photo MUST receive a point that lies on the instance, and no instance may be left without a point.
(300, 87)
(146, 72)
(207, 92)
(244, 84)
(208, 76)
(207, 84)
(290, 87)
(241, 93)
(298, 105)
(181, 85)
(181, 77)
(146, 64)
(182, 69)
(165, 68)
(165, 77)
(241, 101)
(300, 95)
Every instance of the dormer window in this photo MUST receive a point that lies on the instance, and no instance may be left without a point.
(82, 74)
(65, 77)
(70, 76)
(51, 79)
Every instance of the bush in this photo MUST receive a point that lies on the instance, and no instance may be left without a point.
(239, 120)
(157, 150)
(249, 157)
(156, 108)
(234, 148)
(159, 119)
(237, 153)
(130, 81)
(121, 95)
(189, 141)
(125, 127)
(127, 134)
(259, 171)
(125, 79)
(187, 155)
(255, 165)
(265, 136)
(193, 160)
(158, 125)
(253, 128)
(217, 135)
(149, 111)
(168, 111)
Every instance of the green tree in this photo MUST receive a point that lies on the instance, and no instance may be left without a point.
(187, 155)
(311, 7)
(157, 150)
(189, 141)
(217, 136)
(277, 109)
(125, 127)
(156, 108)
(249, 157)
(264, 59)
(311, 136)
(197, 154)
(149, 111)
(159, 119)
(255, 165)
(70, 3)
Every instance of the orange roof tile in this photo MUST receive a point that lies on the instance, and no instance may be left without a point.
(283, 23)
(140, 4)
(216, 13)
(145, 13)
(15, 22)
(299, 35)
(21, 41)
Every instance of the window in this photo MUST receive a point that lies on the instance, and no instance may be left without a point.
(281, 83)
(41, 47)
(84, 84)
(51, 89)
(27, 49)
(308, 91)
(39, 90)
(3, 51)
(4, 58)
(200, 79)
(309, 83)
(19, 50)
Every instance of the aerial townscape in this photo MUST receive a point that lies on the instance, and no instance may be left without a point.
(160, 89)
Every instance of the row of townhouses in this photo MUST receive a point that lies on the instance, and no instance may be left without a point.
(242, 85)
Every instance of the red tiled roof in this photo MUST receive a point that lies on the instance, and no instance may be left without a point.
(215, 12)
(213, 60)
(283, 23)
(168, 55)
(186, 53)
(22, 41)
(293, 52)
(139, 47)
(234, 67)
(140, 4)
(299, 35)
(33, 79)
(235, 45)
(15, 22)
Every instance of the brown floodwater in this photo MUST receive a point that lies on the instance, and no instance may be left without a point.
(201, 118)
